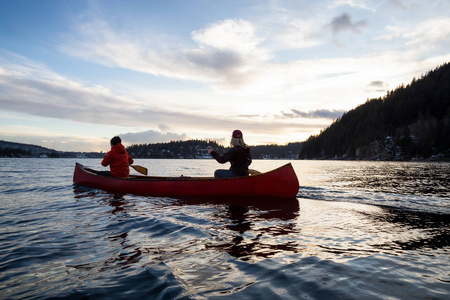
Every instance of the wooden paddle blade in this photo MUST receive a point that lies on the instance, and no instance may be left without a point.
(140, 169)
(254, 172)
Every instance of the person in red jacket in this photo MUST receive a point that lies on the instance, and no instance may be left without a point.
(118, 159)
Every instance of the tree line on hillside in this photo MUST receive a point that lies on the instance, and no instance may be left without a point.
(199, 149)
(12, 152)
(175, 149)
(410, 122)
(289, 151)
(12, 149)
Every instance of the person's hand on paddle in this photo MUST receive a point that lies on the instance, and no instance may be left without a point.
(210, 149)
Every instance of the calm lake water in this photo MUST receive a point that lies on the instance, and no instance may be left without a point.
(357, 230)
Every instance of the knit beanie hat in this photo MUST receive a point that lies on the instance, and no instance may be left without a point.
(115, 140)
(237, 134)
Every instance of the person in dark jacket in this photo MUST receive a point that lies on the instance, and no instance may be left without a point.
(239, 156)
(118, 159)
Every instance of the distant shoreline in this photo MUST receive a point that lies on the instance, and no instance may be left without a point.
(195, 150)
(425, 160)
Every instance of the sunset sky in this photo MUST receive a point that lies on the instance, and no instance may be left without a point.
(75, 73)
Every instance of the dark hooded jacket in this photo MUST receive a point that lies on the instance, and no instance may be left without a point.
(239, 157)
(119, 160)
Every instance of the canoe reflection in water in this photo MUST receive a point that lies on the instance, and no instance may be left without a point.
(256, 225)
(243, 227)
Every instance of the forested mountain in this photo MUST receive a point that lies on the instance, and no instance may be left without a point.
(11, 149)
(410, 122)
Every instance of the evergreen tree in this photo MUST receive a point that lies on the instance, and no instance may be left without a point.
(417, 116)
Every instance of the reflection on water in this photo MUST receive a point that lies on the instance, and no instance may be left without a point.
(412, 186)
(431, 231)
(354, 229)
(406, 178)
(251, 226)
(260, 228)
(64, 241)
(188, 236)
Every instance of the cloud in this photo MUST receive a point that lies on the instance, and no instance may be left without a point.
(57, 142)
(398, 4)
(233, 35)
(220, 141)
(315, 114)
(298, 34)
(429, 32)
(163, 127)
(377, 86)
(344, 23)
(231, 55)
(224, 53)
(425, 34)
(39, 92)
(352, 3)
(151, 136)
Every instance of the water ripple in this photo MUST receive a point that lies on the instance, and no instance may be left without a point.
(344, 237)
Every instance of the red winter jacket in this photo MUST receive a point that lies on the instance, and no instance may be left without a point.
(119, 160)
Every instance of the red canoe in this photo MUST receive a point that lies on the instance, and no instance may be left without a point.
(281, 182)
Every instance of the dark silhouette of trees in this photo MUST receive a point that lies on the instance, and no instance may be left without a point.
(174, 149)
(289, 151)
(12, 152)
(410, 121)
(11, 149)
(199, 149)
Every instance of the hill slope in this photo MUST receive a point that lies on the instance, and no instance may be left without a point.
(409, 122)
(11, 149)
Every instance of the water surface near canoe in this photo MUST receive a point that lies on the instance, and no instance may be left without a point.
(357, 230)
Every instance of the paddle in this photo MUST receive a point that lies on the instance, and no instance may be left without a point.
(140, 169)
(254, 172)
